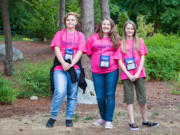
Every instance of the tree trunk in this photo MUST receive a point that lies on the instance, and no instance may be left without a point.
(104, 9)
(8, 62)
(87, 25)
(61, 13)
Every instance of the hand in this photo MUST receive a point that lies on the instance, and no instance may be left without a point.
(136, 76)
(66, 66)
(131, 77)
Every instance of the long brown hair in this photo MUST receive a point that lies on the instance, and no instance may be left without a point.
(135, 37)
(114, 35)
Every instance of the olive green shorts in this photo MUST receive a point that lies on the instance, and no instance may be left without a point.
(129, 91)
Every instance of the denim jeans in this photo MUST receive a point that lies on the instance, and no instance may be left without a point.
(63, 86)
(105, 88)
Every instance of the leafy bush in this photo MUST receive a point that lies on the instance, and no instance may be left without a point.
(43, 21)
(7, 92)
(163, 60)
(33, 80)
(143, 28)
(122, 20)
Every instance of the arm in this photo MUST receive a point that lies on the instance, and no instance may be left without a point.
(122, 66)
(136, 76)
(65, 65)
(76, 58)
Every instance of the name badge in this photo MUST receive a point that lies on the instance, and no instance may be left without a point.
(68, 54)
(130, 63)
(104, 61)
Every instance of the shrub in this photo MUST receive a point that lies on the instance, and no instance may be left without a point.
(34, 80)
(7, 92)
(123, 18)
(143, 28)
(163, 60)
(43, 21)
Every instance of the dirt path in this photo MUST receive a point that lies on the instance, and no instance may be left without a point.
(27, 117)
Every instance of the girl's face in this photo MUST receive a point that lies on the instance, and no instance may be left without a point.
(71, 22)
(129, 30)
(106, 26)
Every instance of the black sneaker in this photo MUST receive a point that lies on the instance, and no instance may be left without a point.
(133, 126)
(50, 123)
(69, 123)
(150, 124)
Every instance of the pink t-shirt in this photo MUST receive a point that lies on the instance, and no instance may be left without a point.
(137, 56)
(95, 48)
(65, 40)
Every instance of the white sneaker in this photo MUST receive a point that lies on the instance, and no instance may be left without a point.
(99, 122)
(108, 125)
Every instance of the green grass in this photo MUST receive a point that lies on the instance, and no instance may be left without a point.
(18, 38)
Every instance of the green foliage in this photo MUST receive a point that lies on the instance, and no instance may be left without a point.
(33, 80)
(163, 59)
(114, 12)
(143, 28)
(7, 91)
(73, 6)
(18, 38)
(164, 14)
(122, 20)
(43, 21)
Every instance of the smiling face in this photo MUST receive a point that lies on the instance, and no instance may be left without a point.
(106, 27)
(71, 22)
(129, 30)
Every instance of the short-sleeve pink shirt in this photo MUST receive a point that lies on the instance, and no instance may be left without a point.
(63, 40)
(129, 53)
(96, 47)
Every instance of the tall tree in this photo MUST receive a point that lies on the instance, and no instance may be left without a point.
(87, 25)
(8, 62)
(61, 13)
(104, 9)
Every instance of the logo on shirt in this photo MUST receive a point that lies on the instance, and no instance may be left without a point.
(103, 46)
(69, 43)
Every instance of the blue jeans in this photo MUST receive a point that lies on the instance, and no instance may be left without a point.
(105, 88)
(63, 86)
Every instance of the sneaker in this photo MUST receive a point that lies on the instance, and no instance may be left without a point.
(133, 126)
(50, 123)
(150, 124)
(108, 125)
(99, 122)
(69, 123)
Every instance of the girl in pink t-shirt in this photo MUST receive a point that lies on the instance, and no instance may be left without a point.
(68, 46)
(131, 55)
(100, 48)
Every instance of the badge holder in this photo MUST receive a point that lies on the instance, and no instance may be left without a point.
(68, 54)
(130, 63)
(104, 61)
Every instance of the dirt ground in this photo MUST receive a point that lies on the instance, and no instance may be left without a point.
(27, 117)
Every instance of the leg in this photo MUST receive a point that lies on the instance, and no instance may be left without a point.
(60, 84)
(143, 112)
(98, 80)
(141, 97)
(130, 112)
(129, 98)
(72, 93)
(110, 90)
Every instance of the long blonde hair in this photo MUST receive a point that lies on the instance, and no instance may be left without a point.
(114, 35)
(135, 37)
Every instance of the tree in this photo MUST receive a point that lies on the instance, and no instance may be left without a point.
(8, 62)
(87, 25)
(61, 13)
(122, 20)
(104, 9)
